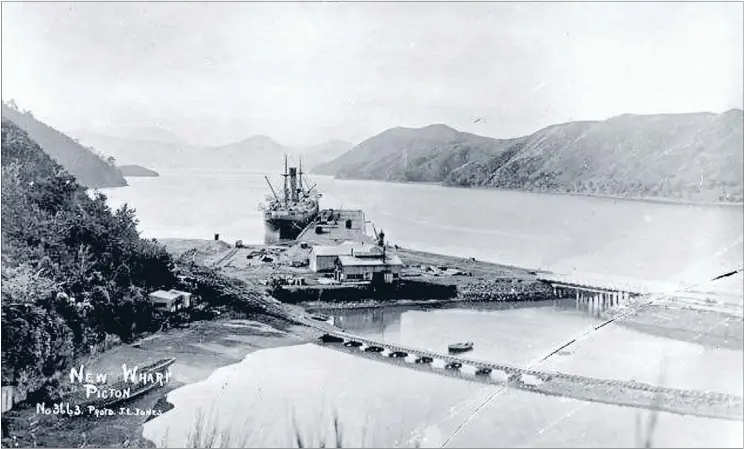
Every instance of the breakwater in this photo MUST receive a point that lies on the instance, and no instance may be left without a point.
(609, 391)
(414, 290)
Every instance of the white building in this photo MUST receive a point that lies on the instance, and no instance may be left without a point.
(323, 258)
(171, 300)
(364, 267)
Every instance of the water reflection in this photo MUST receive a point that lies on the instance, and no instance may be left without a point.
(390, 404)
(380, 321)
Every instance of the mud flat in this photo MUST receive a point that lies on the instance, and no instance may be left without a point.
(199, 350)
(207, 345)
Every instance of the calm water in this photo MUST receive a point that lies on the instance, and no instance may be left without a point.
(626, 239)
(264, 397)
(270, 392)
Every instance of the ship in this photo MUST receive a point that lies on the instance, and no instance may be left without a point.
(286, 216)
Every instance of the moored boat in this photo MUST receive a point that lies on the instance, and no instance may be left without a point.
(328, 338)
(461, 347)
(320, 317)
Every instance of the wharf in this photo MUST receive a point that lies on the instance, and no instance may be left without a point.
(336, 232)
(609, 391)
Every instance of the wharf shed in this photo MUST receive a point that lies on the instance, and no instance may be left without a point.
(324, 258)
(361, 267)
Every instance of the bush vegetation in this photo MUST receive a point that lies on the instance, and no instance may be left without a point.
(73, 270)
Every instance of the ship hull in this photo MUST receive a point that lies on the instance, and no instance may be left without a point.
(283, 229)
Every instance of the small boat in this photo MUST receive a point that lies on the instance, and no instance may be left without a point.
(424, 359)
(353, 344)
(483, 371)
(328, 338)
(374, 349)
(398, 354)
(453, 366)
(320, 317)
(461, 347)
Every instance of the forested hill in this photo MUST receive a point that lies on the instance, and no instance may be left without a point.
(73, 271)
(694, 157)
(90, 169)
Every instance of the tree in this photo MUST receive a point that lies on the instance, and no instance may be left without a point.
(73, 270)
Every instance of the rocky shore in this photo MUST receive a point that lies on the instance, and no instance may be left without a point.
(505, 291)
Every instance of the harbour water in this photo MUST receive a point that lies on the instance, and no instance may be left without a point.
(269, 396)
(567, 234)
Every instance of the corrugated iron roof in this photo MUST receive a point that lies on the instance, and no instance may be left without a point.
(163, 295)
(390, 259)
(178, 292)
(339, 250)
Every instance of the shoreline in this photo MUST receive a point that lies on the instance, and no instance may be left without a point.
(200, 350)
(205, 346)
(653, 200)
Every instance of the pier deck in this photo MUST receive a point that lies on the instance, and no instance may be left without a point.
(610, 391)
(335, 233)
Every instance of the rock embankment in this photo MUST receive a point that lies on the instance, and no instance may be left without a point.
(503, 290)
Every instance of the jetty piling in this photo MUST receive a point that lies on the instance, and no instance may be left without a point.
(593, 294)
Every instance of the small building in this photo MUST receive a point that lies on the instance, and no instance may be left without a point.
(323, 258)
(364, 267)
(7, 398)
(171, 300)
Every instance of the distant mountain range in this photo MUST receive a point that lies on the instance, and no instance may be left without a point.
(88, 167)
(146, 133)
(254, 153)
(693, 157)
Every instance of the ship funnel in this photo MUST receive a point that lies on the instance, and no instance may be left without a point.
(293, 182)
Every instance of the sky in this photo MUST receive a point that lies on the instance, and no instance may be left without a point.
(303, 73)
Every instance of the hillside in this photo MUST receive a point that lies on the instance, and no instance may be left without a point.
(254, 153)
(156, 154)
(145, 133)
(88, 167)
(321, 153)
(73, 270)
(693, 157)
(137, 170)
(413, 154)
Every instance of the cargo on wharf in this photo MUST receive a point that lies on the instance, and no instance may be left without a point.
(343, 264)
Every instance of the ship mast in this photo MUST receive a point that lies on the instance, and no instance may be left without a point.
(302, 189)
(286, 174)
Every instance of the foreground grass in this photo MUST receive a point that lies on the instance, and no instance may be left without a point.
(208, 435)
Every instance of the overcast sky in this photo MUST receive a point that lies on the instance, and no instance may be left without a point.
(303, 73)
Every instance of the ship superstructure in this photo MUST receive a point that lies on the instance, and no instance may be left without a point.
(287, 216)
